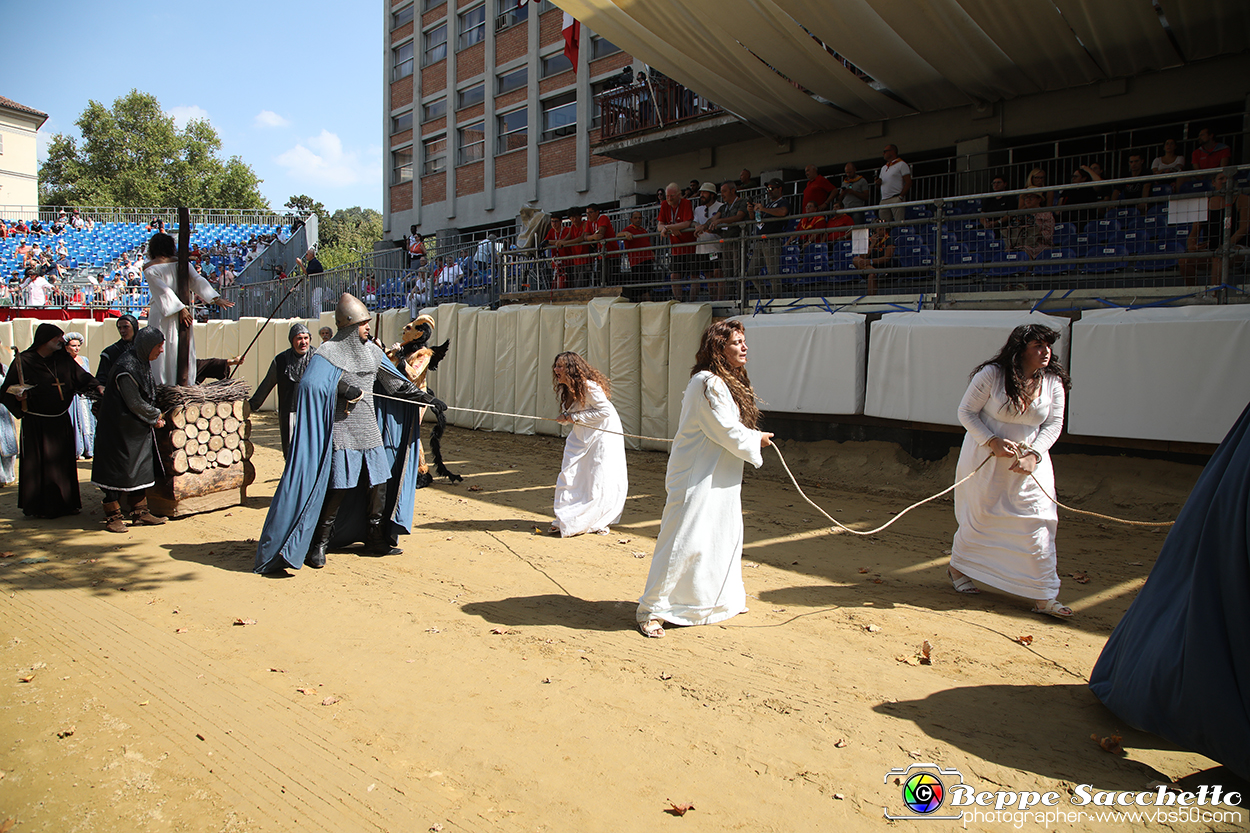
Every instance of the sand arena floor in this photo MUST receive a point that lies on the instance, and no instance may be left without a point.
(490, 678)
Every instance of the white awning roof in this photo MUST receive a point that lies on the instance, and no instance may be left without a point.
(920, 56)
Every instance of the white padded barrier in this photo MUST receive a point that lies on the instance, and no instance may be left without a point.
(550, 345)
(528, 368)
(687, 323)
(484, 370)
(505, 369)
(443, 381)
(653, 372)
(808, 362)
(919, 362)
(1166, 373)
(599, 333)
(465, 353)
(625, 367)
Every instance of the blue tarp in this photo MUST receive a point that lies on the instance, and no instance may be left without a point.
(1178, 664)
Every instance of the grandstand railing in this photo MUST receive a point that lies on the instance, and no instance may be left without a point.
(654, 103)
(113, 214)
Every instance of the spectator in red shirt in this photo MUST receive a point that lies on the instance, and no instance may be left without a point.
(574, 245)
(636, 240)
(818, 189)
(838, 221)
(554, 243)
(808, 229)
(675, 223)
(1210, 153)
(602, 239)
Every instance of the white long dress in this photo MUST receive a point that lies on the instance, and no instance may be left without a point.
(590, 493)
(1006, 535)
(696, 573)
(163, 309)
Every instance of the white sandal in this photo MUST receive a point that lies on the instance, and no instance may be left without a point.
(963, 584)
(1052, 607)
(653, 628)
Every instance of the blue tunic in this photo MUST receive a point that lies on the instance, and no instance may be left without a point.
(296, 504)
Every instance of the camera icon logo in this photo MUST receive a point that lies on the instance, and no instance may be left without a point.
(923, 791)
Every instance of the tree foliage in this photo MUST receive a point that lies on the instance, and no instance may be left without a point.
(134, 155)
(343, 236)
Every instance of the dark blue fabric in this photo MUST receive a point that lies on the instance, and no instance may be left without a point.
(296, 503)
(1178, 664)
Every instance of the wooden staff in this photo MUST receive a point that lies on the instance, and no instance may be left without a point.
(185, 333)
(21, 379)
(294, 287)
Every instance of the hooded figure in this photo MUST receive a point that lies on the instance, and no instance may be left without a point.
(127, 326)
(39, 390)
(345, 450)
(284, 372)
(124, 464)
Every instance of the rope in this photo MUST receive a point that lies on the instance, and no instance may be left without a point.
(799, 488)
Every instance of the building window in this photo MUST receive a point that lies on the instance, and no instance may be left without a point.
(401, 122)
(513, 130)
(596, 111)
(555, 64)
(401, 61)
(472, 26)
(473, 95)
(470, 143)
(560, 116)
(601, 47)
(511, 12)
(506, 82)
(432, 4)
(401, 166)
(434, 110)
(402, 16)
(435, 45)
(433, 155)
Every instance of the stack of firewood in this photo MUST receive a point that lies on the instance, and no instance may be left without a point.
(205, 435)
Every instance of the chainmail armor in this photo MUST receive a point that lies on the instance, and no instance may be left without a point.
(356, 429)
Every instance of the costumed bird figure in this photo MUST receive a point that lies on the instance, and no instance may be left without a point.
(414, 358)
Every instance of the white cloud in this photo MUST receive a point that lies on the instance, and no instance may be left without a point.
(321, 160)
(268, 118)
(183, 114)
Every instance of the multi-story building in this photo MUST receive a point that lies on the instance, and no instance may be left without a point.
(19, 167)
(486, 115)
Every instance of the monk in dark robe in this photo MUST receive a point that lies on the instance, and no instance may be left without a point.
(39, 389)
(127, 326)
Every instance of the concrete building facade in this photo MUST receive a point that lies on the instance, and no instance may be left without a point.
(19, 164)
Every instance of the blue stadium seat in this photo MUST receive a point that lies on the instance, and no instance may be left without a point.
(953, 252)
(1134, 242)
(1053, 262)
(917, 212)
(968, 264)
(1152, 225)
(1194, 186)
(1102, 228)
(1158, 251)
(1064, 235)
(917, 259)
(1006, 263)
(963, 206)
(1106, 251)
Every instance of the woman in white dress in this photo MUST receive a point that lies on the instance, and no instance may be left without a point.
(696, 573)
(165, 311)
(1013, 411)
(590, 493)
(80, 415)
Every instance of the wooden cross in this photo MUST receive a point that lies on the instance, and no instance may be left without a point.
(59, 384)
(183, 289)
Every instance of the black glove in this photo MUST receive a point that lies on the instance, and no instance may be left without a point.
(349, 393)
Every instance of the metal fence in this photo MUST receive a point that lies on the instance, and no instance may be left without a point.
(653, 103)
(113, 214)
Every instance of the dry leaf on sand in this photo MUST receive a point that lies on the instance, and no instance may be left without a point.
(1110, 743)
(678, 809)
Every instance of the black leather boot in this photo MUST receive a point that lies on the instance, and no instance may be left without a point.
(316, 557)
(378, 541)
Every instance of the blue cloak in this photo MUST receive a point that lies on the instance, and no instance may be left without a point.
(1178, 664)
(296, 504)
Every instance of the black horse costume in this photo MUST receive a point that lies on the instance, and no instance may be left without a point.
(414, 358)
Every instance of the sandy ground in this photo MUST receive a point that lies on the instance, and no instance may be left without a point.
(491, 678)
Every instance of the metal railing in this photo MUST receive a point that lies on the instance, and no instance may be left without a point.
(114, 214)
(654, 103)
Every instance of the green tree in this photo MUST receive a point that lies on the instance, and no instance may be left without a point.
(348, 234)
(133, 155)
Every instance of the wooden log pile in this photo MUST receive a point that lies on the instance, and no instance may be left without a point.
(203, 436)
(204, 450)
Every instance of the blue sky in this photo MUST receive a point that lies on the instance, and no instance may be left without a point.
(294, 89)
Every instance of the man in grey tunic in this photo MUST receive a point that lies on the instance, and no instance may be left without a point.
(284, 372)
(358, 454)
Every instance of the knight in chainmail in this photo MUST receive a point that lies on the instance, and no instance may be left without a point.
(358, 456)
(284, 373)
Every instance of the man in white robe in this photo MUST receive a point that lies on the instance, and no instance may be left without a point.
(165, 310)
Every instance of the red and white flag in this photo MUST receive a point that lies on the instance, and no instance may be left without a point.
(572, 38)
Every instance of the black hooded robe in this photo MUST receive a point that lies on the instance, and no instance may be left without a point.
(125, 445)
(48, 470)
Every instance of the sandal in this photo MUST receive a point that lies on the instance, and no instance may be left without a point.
(653, 628)
(553, 530)
(963, 584)
(1053, 607)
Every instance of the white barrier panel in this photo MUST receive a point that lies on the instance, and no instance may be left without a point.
(484, 370)
(24, 333)
(529, 371)
(687, 323)
(505, 370)
(100, 334)
(653, 372)
(599, 333)
(575, 338)
(443, 381)
(807, 362)
(7, 342)
(625, 368)
(464, 351)
(919, 362)
(550, 345)
(1175, 374)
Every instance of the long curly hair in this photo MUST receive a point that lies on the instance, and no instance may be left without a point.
(579, 372)
(711, 357)
(1010, 360)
